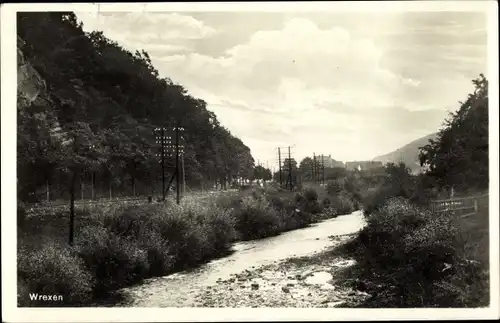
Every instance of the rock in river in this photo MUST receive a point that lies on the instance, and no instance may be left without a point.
(318, 278)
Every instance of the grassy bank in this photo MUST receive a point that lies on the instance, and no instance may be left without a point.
(408, 256)
(117, 245)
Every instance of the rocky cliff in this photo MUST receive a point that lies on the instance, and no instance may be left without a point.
(29, 83)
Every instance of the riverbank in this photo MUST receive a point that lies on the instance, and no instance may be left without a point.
(120, 245)
(272, 272)
(305, 282)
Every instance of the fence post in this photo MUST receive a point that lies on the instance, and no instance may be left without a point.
(475, 205)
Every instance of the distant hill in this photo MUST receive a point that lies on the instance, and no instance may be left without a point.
(407, 154)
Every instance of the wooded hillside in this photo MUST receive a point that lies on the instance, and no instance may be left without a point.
(94, 118)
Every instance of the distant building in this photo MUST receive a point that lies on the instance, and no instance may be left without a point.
(329, 162)
(363, 165)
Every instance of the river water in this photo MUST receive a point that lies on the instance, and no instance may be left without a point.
(180, 289)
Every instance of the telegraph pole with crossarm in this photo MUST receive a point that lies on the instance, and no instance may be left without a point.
(165, 142)
(167, 150)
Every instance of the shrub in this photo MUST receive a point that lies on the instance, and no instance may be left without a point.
(228, 201)
(222, 229)
(160, 258)
(53, 270)
(416, 251)
(311, 207)
(256, 219)
(299, 198)
(342, 204)
(334, 188)
(114, 261)
(129, 221)
(330, 212)
(278, 203)
(270, 190)
(310, 194)
(373, 202)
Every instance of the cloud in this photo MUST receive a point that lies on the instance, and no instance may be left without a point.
(158, 33)
(329, 87)
(297, 66)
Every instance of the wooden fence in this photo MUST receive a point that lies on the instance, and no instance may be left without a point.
(461, 206)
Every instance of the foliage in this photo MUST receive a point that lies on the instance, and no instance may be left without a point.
(53, 270)
(262, 173)
(256, 219)
(458, 157)
(113, 260)
(398, 182)
(342, 204)
(94, 121)
(408, 256)
(119, 244)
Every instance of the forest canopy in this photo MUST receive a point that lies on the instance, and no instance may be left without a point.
(94, 119)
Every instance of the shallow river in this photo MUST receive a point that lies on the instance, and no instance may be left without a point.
(180, 289)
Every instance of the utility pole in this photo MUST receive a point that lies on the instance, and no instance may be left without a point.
(290, 169)
(323, 168)
(179, 149)
(279, 160)
(177, 163)
(315, 168)
(163, 141)
(183, 176)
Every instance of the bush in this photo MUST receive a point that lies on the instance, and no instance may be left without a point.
(334, 188)
(119, 244)
(160, 258)
(114, 261)
(178, 225)
(256, 219)
(278, 203)
(416, 251)
(228, 201)
(129, 221)
(373, 202)
(53, 270)
(310, 194)
(222, 227)
(342, 204)
(299, 198)
(329, 213)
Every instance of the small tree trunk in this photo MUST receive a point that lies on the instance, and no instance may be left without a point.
(72, 208)
(48, 191)
(82, 187)
(93, 185)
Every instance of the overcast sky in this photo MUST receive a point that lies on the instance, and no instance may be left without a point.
(353, 85)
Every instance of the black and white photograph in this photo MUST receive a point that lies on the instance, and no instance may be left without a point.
(289, 156)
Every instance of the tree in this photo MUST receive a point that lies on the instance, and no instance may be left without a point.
(458, 157)
(262, 173)
(97, 94)
(306, 169)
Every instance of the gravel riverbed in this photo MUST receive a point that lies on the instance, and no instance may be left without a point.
(289, 270)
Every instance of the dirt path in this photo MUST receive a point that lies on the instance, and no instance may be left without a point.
(261, 273)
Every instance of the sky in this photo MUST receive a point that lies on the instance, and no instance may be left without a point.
(350, 85)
